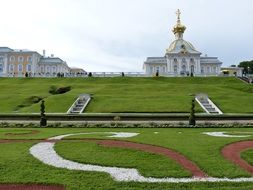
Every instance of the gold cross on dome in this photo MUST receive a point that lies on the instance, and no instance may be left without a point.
(178, 13)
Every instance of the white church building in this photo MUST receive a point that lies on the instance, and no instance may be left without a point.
(182, 58)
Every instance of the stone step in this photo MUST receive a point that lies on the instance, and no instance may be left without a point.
(210, 109)
(79, 105)
(214, 112)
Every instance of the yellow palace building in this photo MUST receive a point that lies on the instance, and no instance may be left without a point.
(21, 62)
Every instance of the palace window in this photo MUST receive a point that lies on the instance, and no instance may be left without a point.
(29, 68)
(48, 69)
(12, 58)
(11, 68)
(42, 69)
(208, 69)
(20, 68)
(192, 60)
(1, 67)
(29, 59)
(1, 59)
(158, 69)
(20, 59)
(175, 60)
(164, 69)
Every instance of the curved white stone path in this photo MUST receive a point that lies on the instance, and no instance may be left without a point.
(223, 134)
(45, 152)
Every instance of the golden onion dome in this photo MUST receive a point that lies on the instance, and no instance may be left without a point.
(179, 28)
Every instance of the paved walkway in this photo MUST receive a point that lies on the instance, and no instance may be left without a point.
(133, 122)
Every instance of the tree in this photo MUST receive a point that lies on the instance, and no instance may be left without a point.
(192, 118)
(247, 66)
(43, 119)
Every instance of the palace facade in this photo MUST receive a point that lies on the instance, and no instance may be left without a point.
(181, 58)
(22, 62)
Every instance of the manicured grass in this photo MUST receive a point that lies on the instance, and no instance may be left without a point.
(18, 166)
(248, 156)
(126, 94)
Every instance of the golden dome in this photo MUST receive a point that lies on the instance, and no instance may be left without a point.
(179, 28)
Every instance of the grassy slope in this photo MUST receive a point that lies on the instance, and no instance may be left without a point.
(128, 94)
(17, 166)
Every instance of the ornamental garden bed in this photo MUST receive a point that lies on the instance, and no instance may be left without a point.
(151, 158)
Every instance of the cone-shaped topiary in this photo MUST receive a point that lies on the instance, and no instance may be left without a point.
(43, 119)
(192, 118)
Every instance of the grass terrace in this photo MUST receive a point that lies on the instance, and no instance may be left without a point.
(110, 95)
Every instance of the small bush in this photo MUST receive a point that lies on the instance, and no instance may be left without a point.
(29, 101)
(61, 90)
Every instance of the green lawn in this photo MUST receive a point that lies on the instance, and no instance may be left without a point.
(18, 166)
(126, 94)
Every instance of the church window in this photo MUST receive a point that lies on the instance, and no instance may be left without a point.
(202, 70)
(29, 68)
(20, 68)
(11, 68)
(20, 59)
(175, 68)
(12, 58)
(183, 68)
(192, 68)
(214, 69)
(1, 67)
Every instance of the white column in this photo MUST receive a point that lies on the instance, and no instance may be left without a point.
(188, 65)
(5, 66)
(179, 66)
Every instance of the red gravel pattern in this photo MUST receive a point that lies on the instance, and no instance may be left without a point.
(179, 158)
(31, 187)
(233, 151)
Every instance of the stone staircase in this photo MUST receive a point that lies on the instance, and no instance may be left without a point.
(207, 104)
(80, 104)
(246, 79)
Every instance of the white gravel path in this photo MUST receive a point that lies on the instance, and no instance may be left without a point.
(45, 153)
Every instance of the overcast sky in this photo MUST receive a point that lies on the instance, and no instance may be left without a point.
(118, 35)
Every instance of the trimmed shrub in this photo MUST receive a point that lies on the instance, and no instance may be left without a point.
(60, 90)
